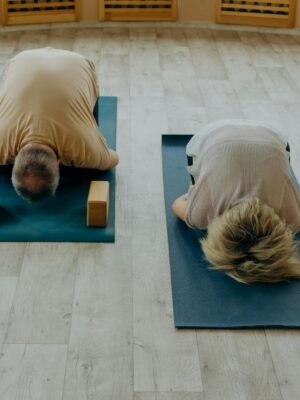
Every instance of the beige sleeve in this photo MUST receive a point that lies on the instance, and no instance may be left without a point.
(95, 85)
(290, 209)
(90, 151)
(98, 154)
(199, 205)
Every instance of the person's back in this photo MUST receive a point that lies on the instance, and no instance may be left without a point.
(47, 101)
(43, 81)
(237, 163)
(245, 196)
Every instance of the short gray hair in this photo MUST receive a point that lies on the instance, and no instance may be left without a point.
(35, 162)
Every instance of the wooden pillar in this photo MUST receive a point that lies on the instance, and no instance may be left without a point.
(89, 10)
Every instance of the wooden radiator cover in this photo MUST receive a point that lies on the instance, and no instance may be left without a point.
(138, 10)
(39, 11)
(276, 13)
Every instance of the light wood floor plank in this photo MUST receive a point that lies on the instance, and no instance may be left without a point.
(205, 56)
(115, 41)
(283, 43)
(8, 42)
(250, 90)
(164, 359)
(12, 255)
(236, 60)
(142, 37)
(100, 347)
(260, 50)
(265, 111)
(173, 38)
(61, 38)
(88, 43)
(167, 396)
(280, 85)
(113, 75)
(145, 76)
(184, 117)
(42, 307)
(148, 123)
(32, 40)
(292, 66)
(7, 292)
(220, 99)
(183, 101)
(32, 372)
(208, 64)
(237, 365)
(124, 195)
(285, 351)
(200, 39)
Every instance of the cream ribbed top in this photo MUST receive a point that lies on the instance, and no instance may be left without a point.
(235, 162)
(48, 98)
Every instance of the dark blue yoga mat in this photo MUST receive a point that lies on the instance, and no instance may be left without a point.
(203, 298)
(62, 218)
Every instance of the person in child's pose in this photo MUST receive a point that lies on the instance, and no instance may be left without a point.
(242, 191)
(46, 118)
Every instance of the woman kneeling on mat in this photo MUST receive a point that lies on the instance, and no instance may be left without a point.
(242, 191)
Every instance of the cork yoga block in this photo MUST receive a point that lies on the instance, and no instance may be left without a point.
(98, 204)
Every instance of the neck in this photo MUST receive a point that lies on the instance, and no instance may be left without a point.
(38, 146)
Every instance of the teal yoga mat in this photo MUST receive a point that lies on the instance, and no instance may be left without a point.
(204, 298)
(62, 218)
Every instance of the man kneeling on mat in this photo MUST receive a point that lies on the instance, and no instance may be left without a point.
(243, 193)
(46, 118)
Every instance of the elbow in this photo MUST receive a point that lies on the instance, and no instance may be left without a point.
(179, 208)
(114, 159)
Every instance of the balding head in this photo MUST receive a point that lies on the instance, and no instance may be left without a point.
(35, 172)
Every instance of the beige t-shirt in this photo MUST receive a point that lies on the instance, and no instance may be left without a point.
(48, 98)
(236, 163)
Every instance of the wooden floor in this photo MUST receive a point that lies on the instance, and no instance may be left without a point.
(94, 321)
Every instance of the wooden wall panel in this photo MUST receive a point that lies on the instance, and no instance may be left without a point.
(138, 10)
(39, 11)
(275, 13)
